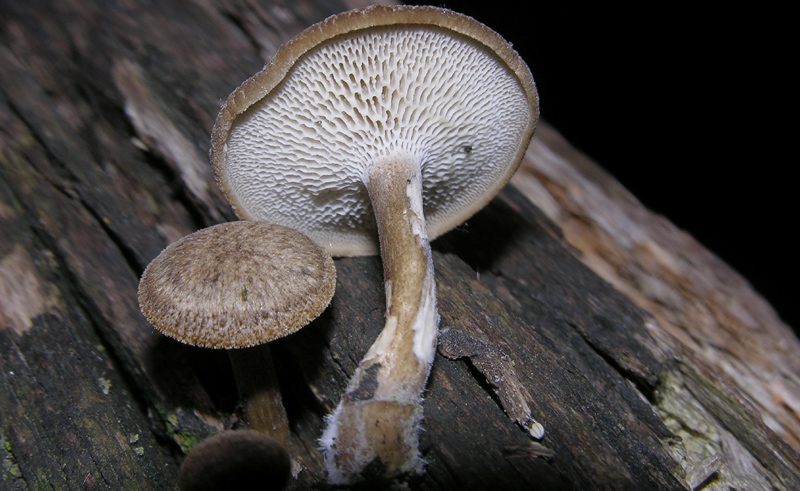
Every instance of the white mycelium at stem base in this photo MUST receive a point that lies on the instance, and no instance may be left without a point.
(380, 412)
(355, 124)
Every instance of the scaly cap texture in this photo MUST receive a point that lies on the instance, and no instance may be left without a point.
(237, 284)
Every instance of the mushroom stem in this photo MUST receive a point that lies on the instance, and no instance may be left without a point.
(258, 388)
(378, 419)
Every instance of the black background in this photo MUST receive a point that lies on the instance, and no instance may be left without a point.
(687, 106)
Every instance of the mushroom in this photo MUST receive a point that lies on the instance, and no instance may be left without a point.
(379, 128)
(237, 286)
(239, 460)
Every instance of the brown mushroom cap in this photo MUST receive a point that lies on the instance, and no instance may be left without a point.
(237, 460)
(236, 285)
(293, 143)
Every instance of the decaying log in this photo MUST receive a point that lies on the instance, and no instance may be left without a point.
(566, 304)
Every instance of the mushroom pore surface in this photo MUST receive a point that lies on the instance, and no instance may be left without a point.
(299, 155)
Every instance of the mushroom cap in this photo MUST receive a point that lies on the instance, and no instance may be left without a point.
(237, 284)
(240, 460)
(292, 143)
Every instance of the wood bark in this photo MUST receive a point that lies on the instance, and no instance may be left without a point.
(648, 362)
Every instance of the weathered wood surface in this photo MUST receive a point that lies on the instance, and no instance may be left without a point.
(693, 295)
(105, 112)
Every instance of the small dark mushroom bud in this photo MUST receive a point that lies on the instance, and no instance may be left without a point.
(239, 460)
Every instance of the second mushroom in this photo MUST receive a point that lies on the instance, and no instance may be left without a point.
(380, 128)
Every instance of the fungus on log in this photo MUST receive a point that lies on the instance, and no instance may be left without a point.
(358, 122)
(622, 332)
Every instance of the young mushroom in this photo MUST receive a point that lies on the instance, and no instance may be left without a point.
(387, 123)
(237, 286)
(241, 460)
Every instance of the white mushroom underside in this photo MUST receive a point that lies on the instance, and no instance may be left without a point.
(298, 156)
